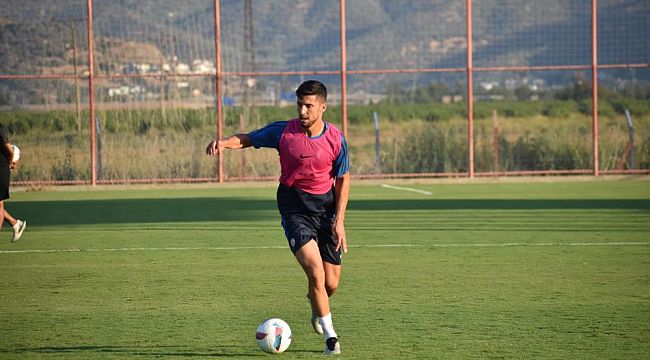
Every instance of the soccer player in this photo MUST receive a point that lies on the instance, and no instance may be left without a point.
(312, 196)
(6, 165)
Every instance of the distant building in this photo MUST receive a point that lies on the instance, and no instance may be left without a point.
(182, 68)
(201, 66)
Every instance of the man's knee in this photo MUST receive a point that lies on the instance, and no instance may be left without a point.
(316, 278)
(332, 277)
(331, 287)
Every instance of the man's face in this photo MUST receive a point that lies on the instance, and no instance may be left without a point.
(310, 110)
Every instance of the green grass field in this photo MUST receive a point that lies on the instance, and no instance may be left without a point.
(502, 269)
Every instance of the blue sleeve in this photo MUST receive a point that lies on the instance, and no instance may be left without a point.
(342, 163)
(268, 136)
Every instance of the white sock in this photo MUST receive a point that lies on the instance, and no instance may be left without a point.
(328, 328)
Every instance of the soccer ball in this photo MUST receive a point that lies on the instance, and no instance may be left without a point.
(16, 153)
(273, 335)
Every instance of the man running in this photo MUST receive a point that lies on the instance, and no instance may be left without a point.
(312, 195)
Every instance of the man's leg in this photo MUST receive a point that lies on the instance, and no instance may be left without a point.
(17, 225)
(312, 264)
(310, 260)
(332, 276)
(2, 212)
(8, 218)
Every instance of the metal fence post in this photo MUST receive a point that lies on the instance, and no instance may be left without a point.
(470, 90)
(594, 79)
(91, 93)
(218, 81)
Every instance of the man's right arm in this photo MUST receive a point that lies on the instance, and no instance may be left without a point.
(237, 141)
(268, 136)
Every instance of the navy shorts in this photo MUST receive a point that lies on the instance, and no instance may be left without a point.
(307, 217)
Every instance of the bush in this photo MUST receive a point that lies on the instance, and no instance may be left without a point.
(433, 149)
(559, 109)
(64, 170)
(636, 107)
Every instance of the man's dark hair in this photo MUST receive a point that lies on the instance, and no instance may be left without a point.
(312, 87)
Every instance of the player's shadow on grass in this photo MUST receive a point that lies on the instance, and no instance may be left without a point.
(156, 351)
(240, 209)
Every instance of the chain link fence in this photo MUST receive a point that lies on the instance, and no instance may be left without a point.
(421, 88)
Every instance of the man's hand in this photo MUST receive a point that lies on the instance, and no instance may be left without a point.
(338, 229)
(214, 147)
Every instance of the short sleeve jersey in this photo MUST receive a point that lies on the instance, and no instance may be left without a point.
(309, 163)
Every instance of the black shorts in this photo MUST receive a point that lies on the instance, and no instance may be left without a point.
(300, 229)
(5, 177)
(307, 217)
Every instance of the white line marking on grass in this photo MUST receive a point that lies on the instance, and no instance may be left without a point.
(540, 244)
(502, 244)
(227, 248)
(406, 189)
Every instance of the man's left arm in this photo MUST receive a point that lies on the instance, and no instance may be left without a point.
(341, 173)
(342, 186)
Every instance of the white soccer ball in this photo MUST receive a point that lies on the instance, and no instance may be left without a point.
(273, 335)
(16, 153)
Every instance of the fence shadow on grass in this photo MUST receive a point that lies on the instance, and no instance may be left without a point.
(121, 211)
(234, 209)
(501, 204)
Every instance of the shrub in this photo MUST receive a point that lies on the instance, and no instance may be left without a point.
(559, 109)
(434, 149)
(636, 107)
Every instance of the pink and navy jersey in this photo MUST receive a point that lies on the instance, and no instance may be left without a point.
(308, 163)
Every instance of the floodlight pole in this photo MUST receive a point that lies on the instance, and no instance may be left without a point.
(218, 82)
(470, 90)
(91, 93)
(594, 79)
